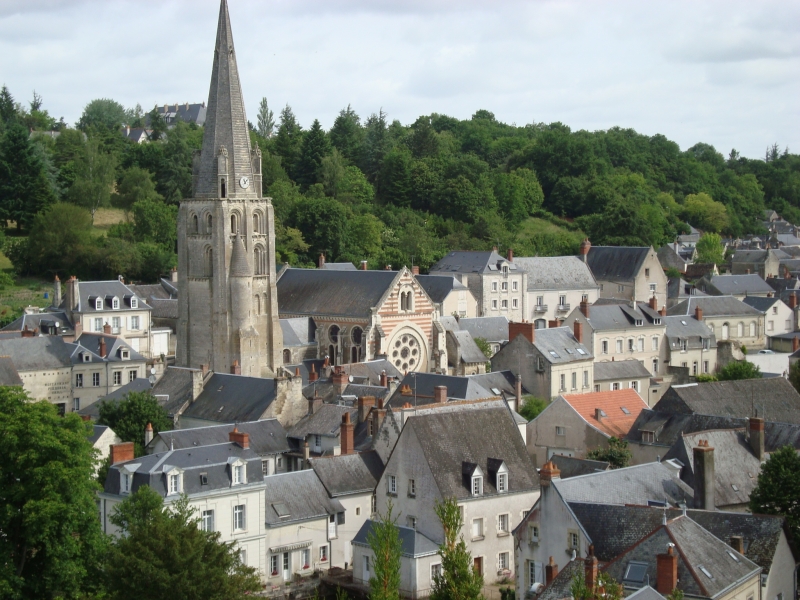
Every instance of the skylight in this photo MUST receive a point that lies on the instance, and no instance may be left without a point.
(705, 572)
(281, 509)
(625, 410)
(683, 322)
(733, 556)
(735, 487)
(569, 350)
(554, 354)
(496, 391)
(635, 572)
(581, 351)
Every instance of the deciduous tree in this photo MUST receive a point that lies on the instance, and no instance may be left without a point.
(617, 453)
(129, 417)
(739, 369)
(778, 489)
(94, 178)
(384, 541)
(710, 249)
(459, 580)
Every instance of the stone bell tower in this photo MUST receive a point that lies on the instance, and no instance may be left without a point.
(228, 302)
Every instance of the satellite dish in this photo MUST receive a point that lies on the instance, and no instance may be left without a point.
(152, 379)
(152, 370)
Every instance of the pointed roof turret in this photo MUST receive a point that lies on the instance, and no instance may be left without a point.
(226, 141)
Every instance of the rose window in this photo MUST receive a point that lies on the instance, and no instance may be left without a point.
(405, 353)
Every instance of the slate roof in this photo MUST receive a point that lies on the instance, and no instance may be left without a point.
(470, 353)
(760, 303)
(713, 306)
(621, 407)
(727, 285)
(164, 309)
(97, 432)
(678, 288)
(561, 586)
(326, 421)
(174, 389)
(413, 544)
(606, 317)
(37, 353)
(370, 370)
(106, 290)
(619, 369)
(164, 290)
(631, 485)
(471, 262)
(775, 399)
(491, 329)
(8, 372)
(472, 387)
(348, 473)
(266, 436)
(756, 256)
(438, 287)
(300, 331)
(302, 495)
(559, 346)
(340, 266)
(232, 398)
(573, 467)
(140, 384)
(191, 113)
(45, 322)
(114, 347)
(317, 291)
(556, 273)
(685, 328)
(646, 593)
(670, 259)
(448, 440)
(617, 263)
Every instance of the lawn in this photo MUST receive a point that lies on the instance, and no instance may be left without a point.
(26, 291)
(104, 218)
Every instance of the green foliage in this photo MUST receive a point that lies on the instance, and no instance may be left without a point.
(52, 545)
(778, 488)
(617, 453)
(739, 369)
(154, 221)
(174, 180)
(129, 417)
(710, 249)
(266, 119)
(458, 580)
(347, 134)
(532, 407)
(606, 587)
(384, 541)
(57, 243)
(166, 548)
(794, 375)
(675, 594)
(288, 141)
(135, 184)
(706, 214)
(314, 149)
(673, 273)
(103, 113)
(484, 346)
(94, 177)
(705, 378)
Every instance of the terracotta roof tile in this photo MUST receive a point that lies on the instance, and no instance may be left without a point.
(616, 422)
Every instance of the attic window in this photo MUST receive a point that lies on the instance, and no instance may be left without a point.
(281, 509)
(735, 487)
(625, 410)
(656, 321)
(657, 503)
(554, 354)
(635, 572)
(496, 391)
(569, 350)
(477, 486)
(134, 302)
(115, 303)
(683, 322)
(581, 351)
(86, 357)
(203, 478)
(98, 304)
(705, 572)
(733, 556)
(639, 322)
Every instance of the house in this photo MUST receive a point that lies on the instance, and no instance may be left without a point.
(569, 466)
(188, 113)
(340, 266)
(626, 273)
(474, 456)
(450, 295)
(679, 290)
(779, 318)
(673, 256)
(738, 286)
(222, 482)
(9, 376)
(322, 431)
(102, 438)
(163, 299)
(494, 330)
(42, 322)
(497, 284)
(621, 374)
(554, 285)
(785, 342)
(623, 331)
(573, 424)
(726, 317)
(138, 135)
(299, 340)
(344, 383)
(302, 523)
(549, 361)
(420, 560)
(464, 357)
(764, 263)
(361, 315)
(690, 344)
(423, 389)
(267, 439)
(350, 478)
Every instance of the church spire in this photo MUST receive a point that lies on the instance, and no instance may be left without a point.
(225, 168)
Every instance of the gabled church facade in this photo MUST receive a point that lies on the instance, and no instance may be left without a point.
(228, 305)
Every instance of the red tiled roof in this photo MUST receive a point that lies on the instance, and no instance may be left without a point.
(616, 422)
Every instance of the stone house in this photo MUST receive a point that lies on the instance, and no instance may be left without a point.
(494, 330)
(555, 284)
(550, 362)
(627, 273)
(497, 284)
(621, 374)
(738, 286)
(779, 318)
(690, 344)
(452, 297)
(464, 357)
(726, 317)
(764, 263)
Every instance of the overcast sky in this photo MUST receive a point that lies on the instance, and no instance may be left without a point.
(726, 73)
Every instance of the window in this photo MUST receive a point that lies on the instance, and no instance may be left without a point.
(586, 379)
(562, 300)
(596, 387)
(563, 385)
(634, 386)
(412, 522)
(436, 571)
(648, 437)
(619, 346)
(615, 386)
(504, 286)
(98, 325)
(305, 558)
(635, 572)
(373, 504)
(238, 474)
(134, 302)
(604, 347)
(652, 288)
(655, 366)
(477, 486)
(323, 554)
(358, 511)
(124, 483)
(132, 375)
(115, 303)
(76, 404)
(533, 533)
(273, 565)
(705, 366)
(539, 300)
(366, 564)
(98, 304)
(412, 488)
(654, 344)
(573, 539)
(207, 521)
(116, 324)
(95, 379)
(392, 484)
(79, 380)
(502, 523)
(203, 478)
(514, 303)
(174, 481)
(514, 286)
(560, 430)
(477, 529)
(117, 377)
(502, 561)
(317, 440)
(574, 380)
(494, 304)
(631, 345)
(502, 482)
(641, 344)
(620, 288)
(504, 304)
(694, 367)
(265, 467)
(279, 462)
(239, 517)
(494, 286)
(135, 323)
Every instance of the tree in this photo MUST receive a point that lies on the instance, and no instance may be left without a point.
(375, 145)
(704, 213)
(606, 587)
(384, 541)
(129, 417)
(332, 172)
(347, 134)
(739, 369)
(154, 221)
(94, 178)
(794, 375)
(157, 124)
(103, 113)
(134, 185)
(314, 149)
(8, 111)
(288, 140)
(175, 177)
(58, 240)
(52, 544)
(532, 407)
(459, 580)
(617, 453)
(710, 249)
(266, 119)
(394, 179)
(167, 549)
(778, 488)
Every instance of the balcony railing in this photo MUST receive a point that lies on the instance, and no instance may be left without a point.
(540, 308)
(562, 307)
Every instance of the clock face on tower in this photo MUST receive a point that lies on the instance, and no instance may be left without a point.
(244, 182)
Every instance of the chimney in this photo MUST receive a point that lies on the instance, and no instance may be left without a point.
(121, 452)
(795, 344)
(297, 371)
(313, 375)
(663, 311)
(387, 268)
(314, 403)
(510, 255)
(585, 308)
(107, 329)
(236, 368)
(321, 261)
(494, 248)
(591, 569)
(72, 293)
(518, 391)
(384, 379)
(306, 455)
(793, 300)
(737, 543)
(584, 249)
(747, 271)
(599, 414)
(550, 572)
(377, 416)
(415, 269)
(786, 274)
(57, 292)
(553, 323)
(27, 332)
(698, 313)
(547, 473)
(239, 437)
(653, 303)
(340, 380)
(173, 275)
(524, 328)
(148, 434)
(667, 571)
(365, 404)
(577, 331)
(346, 436)
(704, 476)
(756, 427)
(103, 347)
(363, 265)
(440, 394)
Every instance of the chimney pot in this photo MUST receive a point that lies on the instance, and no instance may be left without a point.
(107, 329)
(653, 303)
(415, 269)
(239, 437)
(103, 347)
(346, 435)
(584, 249)
(236, 368)
(314, 404)
(795, 344)
(666, 572)
(148, 434)
(585, 308)
(363, 265)
(321, 261)
(793, 300)
(698, 313)
(591, 569)
(663, 311)
(297, 371)
(548, 472)
(384, 379)
(313, 375)
(510, 255)
(173, 275)
(550, 571)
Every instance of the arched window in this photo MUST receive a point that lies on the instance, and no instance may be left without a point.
(287, 356)
(264, 303)
(195, 224)
(256, 223)
(333, 334)
(223, 192)
(260, 260)
(540, 324)
(258, 304)
(726, 331)
(752, 329)
(234, 224)
(208, 262)
(354, 354)
(208, 223)
(740, 330)
(356, 335)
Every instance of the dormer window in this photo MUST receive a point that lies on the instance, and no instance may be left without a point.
(477, 485)
(98, 304)
(238, 471)
(134, 302)
(502, 482)
(174, 482)
(124, 354)
(498, 474)
(639, 322)
(115, 303)
(124, 483)
(86, 357)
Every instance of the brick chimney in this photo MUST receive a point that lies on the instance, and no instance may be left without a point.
(510, 255)
(737, 543)
(387, 268)
(103, 350)
(524, 328)
(121, 452)
(377, 416)
(148, 434)
(314, 404)
(365, 404)
(756, 427)
(297, 371)
(793, 300)
(107, 329)
(653, 302)
(547, 473)
(339, 379)
(584, 249)
(667, 571)
(585, 308)
(313, 375)
(27, 332)
(363, 266)
(704, 476)
(698, 313)
(384, 379)
(236, 368)
(795, 344)
(591, 569)
(550, 571)
(346, 435)
(239, 437)
(663, 311)
(321, 261)
(577, 331)
(440, 394)
(553, 323)
(415, 269)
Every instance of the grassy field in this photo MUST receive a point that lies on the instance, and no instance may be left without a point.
(104, 218)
